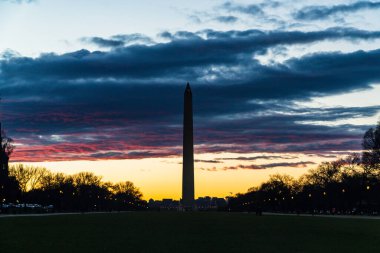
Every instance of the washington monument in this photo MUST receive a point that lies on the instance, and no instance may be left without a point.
(188, 152)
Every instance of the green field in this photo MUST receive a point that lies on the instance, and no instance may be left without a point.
(187, 232)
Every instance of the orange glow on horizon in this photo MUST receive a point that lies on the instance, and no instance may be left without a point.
(160, 178)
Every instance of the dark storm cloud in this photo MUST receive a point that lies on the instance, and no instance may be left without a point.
(226, 19)
(293, 165)
(252, 9)
(240, 166)
(127, 102)
(261, 157)
(101, 42)
(186, 56)
(133, 38)
(108, 155)
(280, 133)
(223, 13)
(323, 12)
(8, 54)
(256, 11)
(119, 40)
(302, 164)
(324, 155)
(206, 161)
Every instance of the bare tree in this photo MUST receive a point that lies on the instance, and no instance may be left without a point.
(29, 177)
(86, 178)
(371, 150)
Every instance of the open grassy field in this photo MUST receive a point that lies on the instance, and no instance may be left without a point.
(187, 232)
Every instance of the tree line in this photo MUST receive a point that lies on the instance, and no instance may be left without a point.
(79, 192)
(346, 186)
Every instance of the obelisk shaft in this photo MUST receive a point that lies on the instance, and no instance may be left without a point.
(188, 152)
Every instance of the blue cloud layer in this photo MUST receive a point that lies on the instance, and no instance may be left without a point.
(127, 102)
(319, 12)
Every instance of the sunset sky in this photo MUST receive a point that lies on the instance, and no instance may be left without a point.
(278, 87)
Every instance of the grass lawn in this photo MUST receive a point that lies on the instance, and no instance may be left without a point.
(187, 232)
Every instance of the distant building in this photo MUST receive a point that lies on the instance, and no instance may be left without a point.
(210, 203)
(165, 204)
(203, 204)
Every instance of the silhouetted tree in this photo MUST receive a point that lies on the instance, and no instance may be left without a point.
(29, 177)
(9, 188)
(127, 196)
(350, 185)
(79, 192)
(371, 150)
